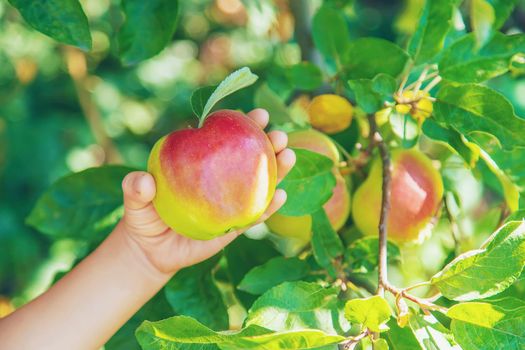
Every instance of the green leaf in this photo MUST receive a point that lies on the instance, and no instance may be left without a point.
(309, 184)
(405, 128)
(330, 33)
(452, 139)
(518, 215)
(326, 243)
(481, 273)
(266, 98)
(237, 80)
(365, 58)
(149, 26)
(84, 205)
(275, 271)
(370, 94)
(242, 255)
(362, 254)
(480, 326)
(502, 9)
(463, 62)
(192, 292)
(298, 305)
(511, 191)
(384, 84)
(434, 25)
(305, 76)
(366, 98)
(487, 16)
(474, 108)
(199, 97)
(372, 312)
(482, 17)
(62, 20)
(380, 344)
(185, 333)
(429, 333)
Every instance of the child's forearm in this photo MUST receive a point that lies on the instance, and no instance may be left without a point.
(88, 305)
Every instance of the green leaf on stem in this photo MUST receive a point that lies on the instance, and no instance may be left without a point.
(192, 292)
(84, 205)
(183, 332)
(237, 80)
(326, 244)
(434, 25)
(62, 20)
(365, 59)
(330, 33)
(484, 325)
(275, 271)
(309, 184)
(482, 17)
(268, 99)
(199, 98)
(480, 273)
(305, 76)
(298, 305)
(453, 140)
(463, 62)
(149, 26)
(373, 312)
(472, 108)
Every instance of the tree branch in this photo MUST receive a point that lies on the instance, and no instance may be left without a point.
(77, 68)
(377, 139)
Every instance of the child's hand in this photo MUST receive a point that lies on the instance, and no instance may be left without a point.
(168, 251)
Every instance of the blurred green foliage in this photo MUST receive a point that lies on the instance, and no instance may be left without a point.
(63, 111)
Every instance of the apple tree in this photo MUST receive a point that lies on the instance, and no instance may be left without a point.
(404, 223)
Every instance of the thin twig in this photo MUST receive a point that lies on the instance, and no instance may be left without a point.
(385, 205)
(353, 341)
(77, 68)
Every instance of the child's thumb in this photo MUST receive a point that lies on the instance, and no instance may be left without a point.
(139, 190)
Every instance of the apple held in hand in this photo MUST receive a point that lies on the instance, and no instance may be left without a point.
(213, 179)
(416, 191)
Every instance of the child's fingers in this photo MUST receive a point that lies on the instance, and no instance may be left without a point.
(139, 190)
(278, 139)
(285, 162)
(279, 198)
(260, 116)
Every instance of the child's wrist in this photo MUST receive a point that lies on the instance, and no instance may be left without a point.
(141, 256)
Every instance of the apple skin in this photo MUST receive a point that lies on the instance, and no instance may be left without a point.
(213, 179)
(416, 191)
(337, 207)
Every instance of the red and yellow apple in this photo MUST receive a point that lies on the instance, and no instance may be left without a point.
(214, 179)
(415, 193)
(338, 206)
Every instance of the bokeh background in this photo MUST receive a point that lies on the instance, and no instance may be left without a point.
(62, 110)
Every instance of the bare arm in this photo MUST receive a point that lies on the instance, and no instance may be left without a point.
(88, 305)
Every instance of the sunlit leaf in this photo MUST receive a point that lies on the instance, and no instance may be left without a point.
(434, 24)
(474, 108)
(237, 80)
(463, 62)
(487, 271)
(373, 312)
(480, 326)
